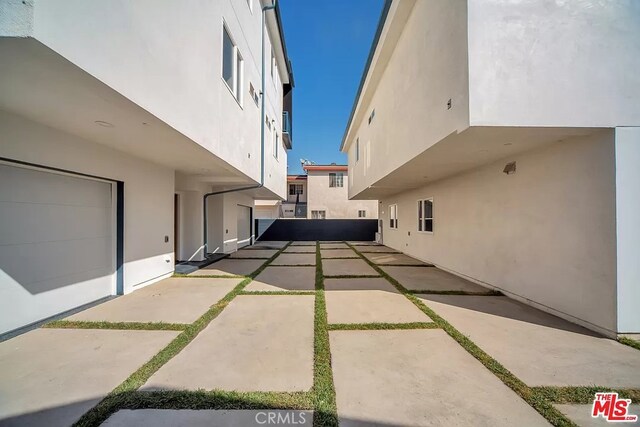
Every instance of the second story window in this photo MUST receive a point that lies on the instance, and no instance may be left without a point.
(357, 149)
(295, 189)
(336, 179)
(231, 64)
(276, 143)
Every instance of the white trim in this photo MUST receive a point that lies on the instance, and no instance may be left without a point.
(424, 217)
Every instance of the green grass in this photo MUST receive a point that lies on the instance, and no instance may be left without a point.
(380, 326)
(294, 265)
(141, 326)
(324, 393)
(407, 265)
(353, 276)
(582, 395)
(630, 342)
(342, 257)
(433, 292)
(536, 400)
(114, 400)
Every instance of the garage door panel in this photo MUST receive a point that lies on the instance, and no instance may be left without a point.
(244, 225)
(51, 260)
(23, 223)
(57, 244)
(18, 184)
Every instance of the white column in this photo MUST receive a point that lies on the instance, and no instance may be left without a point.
(628, 227)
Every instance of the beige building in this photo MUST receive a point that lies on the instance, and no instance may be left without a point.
(320, 194)
(328, 197)
(503, 141)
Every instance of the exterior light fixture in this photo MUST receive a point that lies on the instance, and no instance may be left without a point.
(510, 168)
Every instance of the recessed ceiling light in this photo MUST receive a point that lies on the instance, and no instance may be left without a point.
(508, 143)
(104, 124)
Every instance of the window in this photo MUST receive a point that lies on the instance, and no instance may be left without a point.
(250, 3)
(231, 64)
(253, 93)
(295, 189)
(425, 215)
(372, 115)
(393, 216)
(318, 214)
(357, 149)
(336, 179)
(276, 142)
(362, 214)
(273, 63)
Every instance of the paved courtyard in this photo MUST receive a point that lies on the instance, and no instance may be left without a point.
(323, 332)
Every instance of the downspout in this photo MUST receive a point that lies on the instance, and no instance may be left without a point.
(262, 115)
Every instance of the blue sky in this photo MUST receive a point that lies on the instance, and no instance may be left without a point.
(328, 43)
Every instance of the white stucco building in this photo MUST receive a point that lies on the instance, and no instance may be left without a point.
(502, 138)
(320, 194)
(126, 130)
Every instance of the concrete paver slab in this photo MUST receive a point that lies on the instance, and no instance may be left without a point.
(230, 267)
(173, 300)
(206, 418)
(50, 377)
(335, 245)
(581, 415)
(254, 253)
(284, 279)
(371, 307)
(359, 284)
(345, 267)
(338, 253)
(295, 259)
(540, 349)
(431, 279)
(246, 348)
(377, 249)
(268, 245)
(412, 382)
(301, 249)
(365, 243)
(304, 243)
(390, 259)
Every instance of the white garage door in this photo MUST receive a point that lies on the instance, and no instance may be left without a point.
(56, 244)
(244, 226)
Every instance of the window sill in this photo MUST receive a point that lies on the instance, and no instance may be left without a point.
(424, 232)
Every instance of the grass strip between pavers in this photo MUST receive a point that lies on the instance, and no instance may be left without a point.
(278, 293)
(140, 326)
(324, 392)
(381, 326)
(434, 292)
(529, 395)
(630, 342)
(582, 395)
(127, 389)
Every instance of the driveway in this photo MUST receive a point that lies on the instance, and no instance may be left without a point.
(312, 333)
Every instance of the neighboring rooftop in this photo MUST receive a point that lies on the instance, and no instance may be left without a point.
(331, 167)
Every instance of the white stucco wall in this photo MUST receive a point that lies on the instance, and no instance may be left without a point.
(426, 69)
(554, 63)
(544, 234)
(334, 200)
(148, 196)
(627, 152)
(166, 57)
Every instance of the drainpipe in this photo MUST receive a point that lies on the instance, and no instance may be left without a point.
(262, 96)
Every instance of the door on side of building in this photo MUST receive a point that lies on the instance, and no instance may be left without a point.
(244, 226)
(57, 243)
